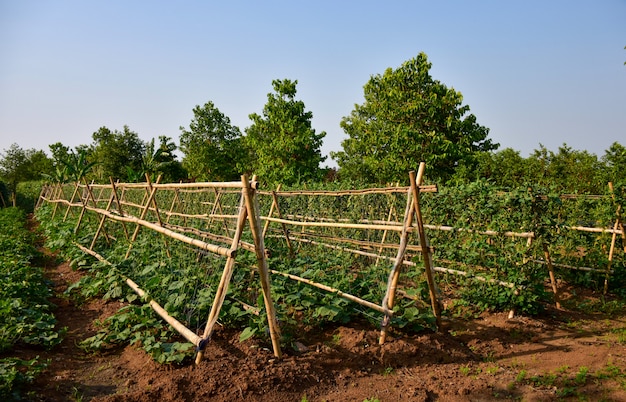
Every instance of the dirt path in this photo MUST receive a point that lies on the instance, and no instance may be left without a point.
(562, 355)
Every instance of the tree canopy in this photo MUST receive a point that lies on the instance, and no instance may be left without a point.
(409, 117)
(18, 165)
(113, 152)
(212, 146)
(282, 145)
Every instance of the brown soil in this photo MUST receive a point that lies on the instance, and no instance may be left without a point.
(561, 355)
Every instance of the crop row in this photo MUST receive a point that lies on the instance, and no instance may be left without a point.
(26, 317)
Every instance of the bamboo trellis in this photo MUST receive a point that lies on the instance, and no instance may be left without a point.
(406, 228)
(110, 208)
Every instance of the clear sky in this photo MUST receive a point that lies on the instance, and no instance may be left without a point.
(548, 72)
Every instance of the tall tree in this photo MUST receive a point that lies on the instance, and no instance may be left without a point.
(283, 147)
(409, 117)
(114, 151)
(212, 146)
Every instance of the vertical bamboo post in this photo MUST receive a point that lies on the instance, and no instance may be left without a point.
(384, 238)
(119, 205)
(156, 212)
(271, 212)
(220, 293)
(555, 289)
(175, 200)
(424, 243)
(613, 241)
(280, 216)
(44, 190)
(144, 211)
(67, 211)
(55, 196)
(218, 207)
(252, 206)
(94, 201)
(389, 298)
(102, 219)
(84, 201)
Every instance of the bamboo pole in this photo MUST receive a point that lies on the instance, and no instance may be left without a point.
(427, 256)
(555, 289)
(340, 193)
(177, 325)
(329, 289)
(219, 238)
(271, 212)
(119, 205)
(255, 225)
(613, 240)
(397, 228)
(223, 251)
(83, 200)
(367, 244)
(101, 224)
(283, 225)
(392, 281)
(156, 211)
(71, 201)
(222, 288)
(144, 211)
(382, 241)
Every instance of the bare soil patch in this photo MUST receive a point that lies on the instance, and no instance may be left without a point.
(559, 355)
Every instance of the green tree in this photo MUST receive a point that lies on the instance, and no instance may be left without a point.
(212, 146)
(568, 170)
(282, 145)
(504, 168)
(113, 152)
(408, 117)
(159, 161)
(19, 165)
(614, 160)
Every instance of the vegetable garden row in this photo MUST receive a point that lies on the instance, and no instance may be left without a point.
(275, 263)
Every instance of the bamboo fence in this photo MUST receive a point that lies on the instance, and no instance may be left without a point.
(170, 210)
(112, 203)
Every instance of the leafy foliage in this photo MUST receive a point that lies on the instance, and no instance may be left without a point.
(408, 118)
(282, 145)
(25, 313)
(212, 146)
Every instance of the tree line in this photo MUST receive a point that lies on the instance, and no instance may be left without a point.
(406, 117)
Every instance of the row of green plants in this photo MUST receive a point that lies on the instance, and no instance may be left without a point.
(26, 314)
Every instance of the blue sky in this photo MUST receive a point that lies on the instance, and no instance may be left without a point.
(548, 72)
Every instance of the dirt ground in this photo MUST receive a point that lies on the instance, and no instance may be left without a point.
(560, 355)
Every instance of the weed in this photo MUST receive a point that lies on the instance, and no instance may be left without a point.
(581, 376)
(492, 370)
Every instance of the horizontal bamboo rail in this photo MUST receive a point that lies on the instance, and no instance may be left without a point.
(329, 289)
(339, 193)
(223, 251)
(397, 228)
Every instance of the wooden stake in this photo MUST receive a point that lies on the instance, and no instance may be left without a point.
(255, 225)
(222, 288)
(427, 256)
(389, 298)
(555, 289)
